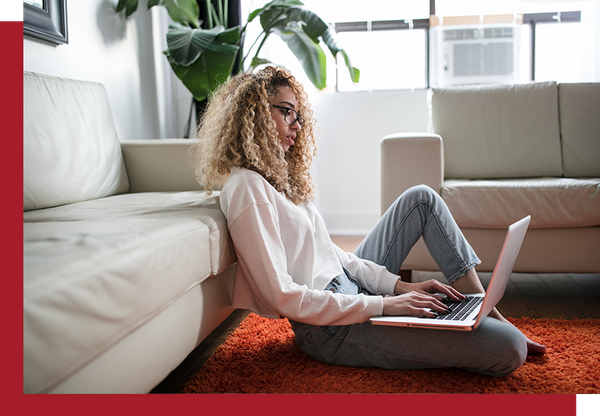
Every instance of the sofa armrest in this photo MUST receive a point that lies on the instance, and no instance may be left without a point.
(409, 159)
(159, 165)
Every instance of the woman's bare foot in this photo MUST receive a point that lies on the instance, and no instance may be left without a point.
(470, 283)
(532, 346)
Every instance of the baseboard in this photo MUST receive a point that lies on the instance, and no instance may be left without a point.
(181, 375)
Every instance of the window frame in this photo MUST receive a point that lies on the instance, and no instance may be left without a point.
(380, 25)
(532, 19)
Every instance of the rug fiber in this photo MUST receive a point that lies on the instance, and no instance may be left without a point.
(261, 356)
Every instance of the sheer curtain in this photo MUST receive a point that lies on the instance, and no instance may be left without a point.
(173, 99)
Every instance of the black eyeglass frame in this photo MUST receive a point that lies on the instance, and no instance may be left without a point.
(299, 119)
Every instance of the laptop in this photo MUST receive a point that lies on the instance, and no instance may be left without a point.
(478, 305)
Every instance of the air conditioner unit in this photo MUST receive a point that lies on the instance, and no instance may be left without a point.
(476, 54)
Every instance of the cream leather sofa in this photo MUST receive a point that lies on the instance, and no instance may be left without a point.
(500, 153)
(128, 264)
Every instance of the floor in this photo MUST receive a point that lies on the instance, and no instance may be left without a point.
(556, 296)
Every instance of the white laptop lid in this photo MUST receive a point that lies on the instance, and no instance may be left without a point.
(504, 266)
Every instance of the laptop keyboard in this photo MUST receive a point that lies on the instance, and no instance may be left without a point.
(460, 310)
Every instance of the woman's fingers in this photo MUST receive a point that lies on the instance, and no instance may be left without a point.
(415, 303)
(433, 286)
(453, 293)
(425, 304)
(434, 303)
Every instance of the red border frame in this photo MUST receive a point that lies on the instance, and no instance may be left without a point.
(12, 168)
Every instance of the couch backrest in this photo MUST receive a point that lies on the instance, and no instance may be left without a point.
(579, 108)
(499, 131)
(70, 144)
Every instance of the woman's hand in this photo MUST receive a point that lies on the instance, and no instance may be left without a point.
(413, 304)
(417, 299)
(428, 287)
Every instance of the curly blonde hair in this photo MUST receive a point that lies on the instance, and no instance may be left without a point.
(237, 130)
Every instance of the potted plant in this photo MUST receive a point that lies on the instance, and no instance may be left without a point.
(202, 58)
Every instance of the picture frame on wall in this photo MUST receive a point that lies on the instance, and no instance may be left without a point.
(46, 20)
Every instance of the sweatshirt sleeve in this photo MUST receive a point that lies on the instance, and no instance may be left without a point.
(262, 257)
(371, 276)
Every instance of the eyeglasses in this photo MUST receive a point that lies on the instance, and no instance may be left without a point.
(292, 114)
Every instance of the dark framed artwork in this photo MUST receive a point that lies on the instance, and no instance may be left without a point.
(46, 20)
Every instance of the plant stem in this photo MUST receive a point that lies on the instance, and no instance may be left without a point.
(220, 4)
(261, 44)
(214, 13)
(208, 14)
(250, 49)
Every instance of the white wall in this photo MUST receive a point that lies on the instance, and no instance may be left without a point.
(104, 47)
(348, 166)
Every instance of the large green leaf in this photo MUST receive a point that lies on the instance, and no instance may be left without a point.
(273, 17)
(203, 59)
(282, 12)
(313, 25)
(130, 6)
(231, 35)
(259, 61)
(279, 15)
(182, 11)
(178, 69)
(329, 40)
(354, 72)
(186, 44)
(210, 70)
(268, 6)
(308, 52)
(218, 63)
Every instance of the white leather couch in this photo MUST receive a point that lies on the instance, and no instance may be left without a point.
(128, 264)
(499, 153)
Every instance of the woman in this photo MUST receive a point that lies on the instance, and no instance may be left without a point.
(256, 139)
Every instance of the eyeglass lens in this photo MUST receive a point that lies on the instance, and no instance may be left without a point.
(291, 116)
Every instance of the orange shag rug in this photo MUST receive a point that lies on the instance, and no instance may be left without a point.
(261, 356)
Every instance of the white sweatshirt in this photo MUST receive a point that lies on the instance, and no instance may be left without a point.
(286, 258)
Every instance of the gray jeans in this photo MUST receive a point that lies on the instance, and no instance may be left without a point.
(494, 348)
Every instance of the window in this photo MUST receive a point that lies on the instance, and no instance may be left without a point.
(557, 47)
(386, 40)
(414, 44)
(389, 55)
(559, 53)
(549, 41)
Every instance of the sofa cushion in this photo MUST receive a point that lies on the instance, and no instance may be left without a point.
(71, 149)
(551, 202)
(499, 131)
(97, 270)
(579, 106)
(196, 205)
